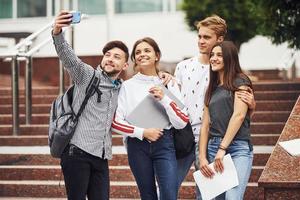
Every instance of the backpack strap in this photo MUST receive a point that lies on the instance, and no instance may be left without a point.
(90, 90)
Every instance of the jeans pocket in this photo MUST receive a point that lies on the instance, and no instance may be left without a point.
(240, 148)
(240, 145)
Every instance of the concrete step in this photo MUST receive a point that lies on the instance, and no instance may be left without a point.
(277, 95)
(270, 116)
(117, 173)
(267, 74)
(271, 86)
(41, 140)
(284, 105)
(264, 139)
(39, 155)
(42, 129)
(117, 140)
(32, 198)
(36, 99)
(266, 127)
(36, 109)
(39, 198)
(43, 173)
(261, 105)
(117, 189)
(257, 86)
(32, 129)
(259, 116)
(259, 95)
(35, 119)
(49, 90)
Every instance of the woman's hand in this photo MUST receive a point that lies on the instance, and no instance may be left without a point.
(152, 134)
(166, 78)
(218, 165)
(205, 169)
(157, 92)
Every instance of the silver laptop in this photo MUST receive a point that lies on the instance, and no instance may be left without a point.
(149, 113)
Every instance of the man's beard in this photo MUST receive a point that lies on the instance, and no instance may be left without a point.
(111, 73)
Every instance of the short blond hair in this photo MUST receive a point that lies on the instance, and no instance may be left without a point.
(214, 23)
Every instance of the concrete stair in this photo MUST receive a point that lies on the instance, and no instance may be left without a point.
(267, 74)
(29, 172)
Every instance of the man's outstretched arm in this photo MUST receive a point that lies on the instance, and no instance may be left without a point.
(76, 68)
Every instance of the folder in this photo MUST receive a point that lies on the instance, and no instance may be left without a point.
(149, 113)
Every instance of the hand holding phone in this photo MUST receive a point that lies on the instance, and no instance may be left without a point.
(76, 17)
(64, 19)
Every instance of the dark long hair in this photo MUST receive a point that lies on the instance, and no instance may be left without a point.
(232, 70)
(152, 43)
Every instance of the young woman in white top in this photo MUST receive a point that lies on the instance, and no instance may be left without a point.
(151, 152)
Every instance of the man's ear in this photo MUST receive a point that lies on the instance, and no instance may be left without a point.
(125, 66)
(220, 39)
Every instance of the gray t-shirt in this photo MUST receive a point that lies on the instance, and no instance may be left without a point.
(221, 110)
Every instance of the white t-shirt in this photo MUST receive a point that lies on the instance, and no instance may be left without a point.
(193, 77)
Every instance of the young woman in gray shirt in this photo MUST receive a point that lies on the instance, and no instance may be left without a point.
(226, 119)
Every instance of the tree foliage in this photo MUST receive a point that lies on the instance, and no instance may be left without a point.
(278, 19)
(281, 21)
(241, 16)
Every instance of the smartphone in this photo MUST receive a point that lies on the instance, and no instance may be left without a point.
(76, 17)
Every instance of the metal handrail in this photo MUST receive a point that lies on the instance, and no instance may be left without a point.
(36, 48)
(15, 54)
(28, 40)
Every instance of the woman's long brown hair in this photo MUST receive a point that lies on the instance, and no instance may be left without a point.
(232, 70)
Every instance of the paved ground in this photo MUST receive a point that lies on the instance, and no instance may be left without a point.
(6, 81)
(115, 149)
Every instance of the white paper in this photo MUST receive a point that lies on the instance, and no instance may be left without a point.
(210, 188)
(291, 146)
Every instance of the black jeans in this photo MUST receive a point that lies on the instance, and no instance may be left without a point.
(85, 175)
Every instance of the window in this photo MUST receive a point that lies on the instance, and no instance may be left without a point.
(31, 8)
(53, 8)
(131, 6)
(5, 9)
(92, 7)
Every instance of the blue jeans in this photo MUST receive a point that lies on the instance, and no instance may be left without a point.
(241, 152)
(157, 159)
(184, 166)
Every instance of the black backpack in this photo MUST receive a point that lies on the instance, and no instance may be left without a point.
(63, 119)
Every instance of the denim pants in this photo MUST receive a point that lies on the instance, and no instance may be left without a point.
(241, 152)
(184, 166)
(84, 175)
(154, 161)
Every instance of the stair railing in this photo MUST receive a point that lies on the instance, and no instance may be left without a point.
(22, 51)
